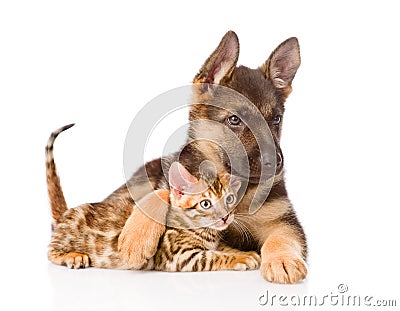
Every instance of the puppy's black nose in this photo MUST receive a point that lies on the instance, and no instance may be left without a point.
(268, 160)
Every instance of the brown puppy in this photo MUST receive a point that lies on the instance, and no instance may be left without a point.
(274, 229)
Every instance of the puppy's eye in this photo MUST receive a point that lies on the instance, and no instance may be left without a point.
(234, 120)
(206, 204)
(230, 198)
(277, 120)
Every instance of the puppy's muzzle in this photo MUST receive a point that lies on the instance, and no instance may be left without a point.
(272, 165)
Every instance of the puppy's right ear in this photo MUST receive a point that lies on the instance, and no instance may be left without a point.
(221, 62)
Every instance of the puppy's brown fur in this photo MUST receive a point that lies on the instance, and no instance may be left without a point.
(143, 230)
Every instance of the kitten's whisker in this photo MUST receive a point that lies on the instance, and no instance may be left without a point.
(242, 230)
(241, 214)
(247, 230)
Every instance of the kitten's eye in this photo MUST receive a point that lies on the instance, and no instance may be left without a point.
(206, 204)
(277, 120)
(230, 198)
(234, 120)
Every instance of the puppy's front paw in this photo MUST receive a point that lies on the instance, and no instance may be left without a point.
(136, 247)
(284, 268)
(139, 238)
(246, 261)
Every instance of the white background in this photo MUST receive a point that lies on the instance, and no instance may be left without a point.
(96, 63)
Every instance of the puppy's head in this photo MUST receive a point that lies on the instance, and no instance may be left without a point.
(243, 115)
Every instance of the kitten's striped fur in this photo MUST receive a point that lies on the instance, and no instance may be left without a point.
(88, 234)
(196, 249)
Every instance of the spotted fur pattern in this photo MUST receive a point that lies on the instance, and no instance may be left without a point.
(88, 235)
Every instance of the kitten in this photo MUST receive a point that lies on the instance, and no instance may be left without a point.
(198, 211)
(88, 234)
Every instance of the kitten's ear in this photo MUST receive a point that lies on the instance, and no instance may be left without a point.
(180, 179)
(282, 65)
(221, 62)
(235, 183)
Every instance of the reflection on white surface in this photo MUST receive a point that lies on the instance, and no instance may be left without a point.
(100, 289)
(44, 286)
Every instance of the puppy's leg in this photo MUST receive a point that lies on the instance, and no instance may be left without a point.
(139, 238)
(282, 255)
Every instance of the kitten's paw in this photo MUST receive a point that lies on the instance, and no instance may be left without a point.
(76, 260)
(284, 268)
(246, 261)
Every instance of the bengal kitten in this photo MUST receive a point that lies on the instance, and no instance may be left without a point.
(196, 212)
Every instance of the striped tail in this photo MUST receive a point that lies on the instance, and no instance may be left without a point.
(56, 196)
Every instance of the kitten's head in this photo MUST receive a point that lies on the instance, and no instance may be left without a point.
(205, 202)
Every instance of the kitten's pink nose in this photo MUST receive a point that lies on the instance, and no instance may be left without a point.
(224, 219)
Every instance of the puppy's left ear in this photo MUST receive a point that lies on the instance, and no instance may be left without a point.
(221, 62)
(282, 65)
